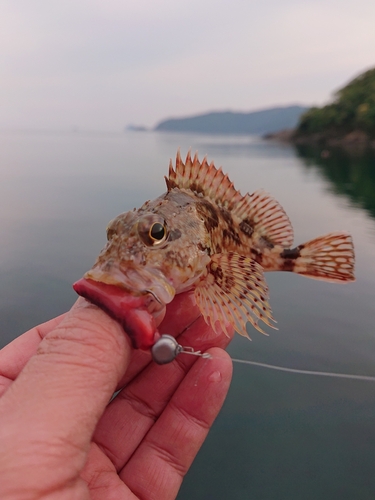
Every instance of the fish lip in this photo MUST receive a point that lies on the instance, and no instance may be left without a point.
(135, 281)
(138, 315)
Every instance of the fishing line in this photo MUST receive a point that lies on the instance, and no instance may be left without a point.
(367, 378)
(166, 349)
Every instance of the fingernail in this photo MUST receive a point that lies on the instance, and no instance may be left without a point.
(215, 377)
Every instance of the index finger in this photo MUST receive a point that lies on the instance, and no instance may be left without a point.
(13, 357)
(61, 393)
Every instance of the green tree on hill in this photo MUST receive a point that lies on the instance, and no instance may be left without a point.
(352, 109)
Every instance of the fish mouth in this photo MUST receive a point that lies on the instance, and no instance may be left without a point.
(131, 311)
(134, 299)
(135, 281)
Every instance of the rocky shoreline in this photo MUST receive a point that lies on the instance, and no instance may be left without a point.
(357, 139)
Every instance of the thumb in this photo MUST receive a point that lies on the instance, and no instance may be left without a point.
(58, 398)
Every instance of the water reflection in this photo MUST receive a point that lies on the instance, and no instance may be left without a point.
(351, 172)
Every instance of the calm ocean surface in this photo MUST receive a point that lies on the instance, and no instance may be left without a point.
(280, 435)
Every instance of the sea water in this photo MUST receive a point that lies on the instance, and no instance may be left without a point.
(279, 435)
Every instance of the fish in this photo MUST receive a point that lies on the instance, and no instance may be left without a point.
(203, 235)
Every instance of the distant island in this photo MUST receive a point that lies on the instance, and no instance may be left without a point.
(228, 122)
(349, 120)
(135, 128)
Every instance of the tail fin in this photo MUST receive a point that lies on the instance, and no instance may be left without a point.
(327, 258)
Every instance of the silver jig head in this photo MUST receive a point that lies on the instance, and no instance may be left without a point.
(167, 348)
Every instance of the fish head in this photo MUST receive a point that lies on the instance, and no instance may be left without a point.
(126, 260)
(160, 249)
(152, 253)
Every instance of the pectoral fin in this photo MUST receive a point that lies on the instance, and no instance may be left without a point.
(233, 293)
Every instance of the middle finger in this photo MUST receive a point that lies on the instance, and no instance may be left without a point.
(132, 413)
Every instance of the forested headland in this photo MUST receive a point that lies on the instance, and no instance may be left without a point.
(348, 120)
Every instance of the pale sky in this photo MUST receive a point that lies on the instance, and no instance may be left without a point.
(103, 64)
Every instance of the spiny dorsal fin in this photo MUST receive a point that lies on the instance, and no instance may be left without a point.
(258, 213)
(234, 292)
(203, 178)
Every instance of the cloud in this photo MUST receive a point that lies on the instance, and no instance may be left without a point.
(100, 64)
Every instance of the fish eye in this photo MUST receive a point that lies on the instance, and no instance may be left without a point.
(153, 230)
(157, 233)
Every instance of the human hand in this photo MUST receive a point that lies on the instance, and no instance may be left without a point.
(59, 437)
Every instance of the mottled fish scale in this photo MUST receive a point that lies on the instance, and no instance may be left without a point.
(258, 211)
(257, 226)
